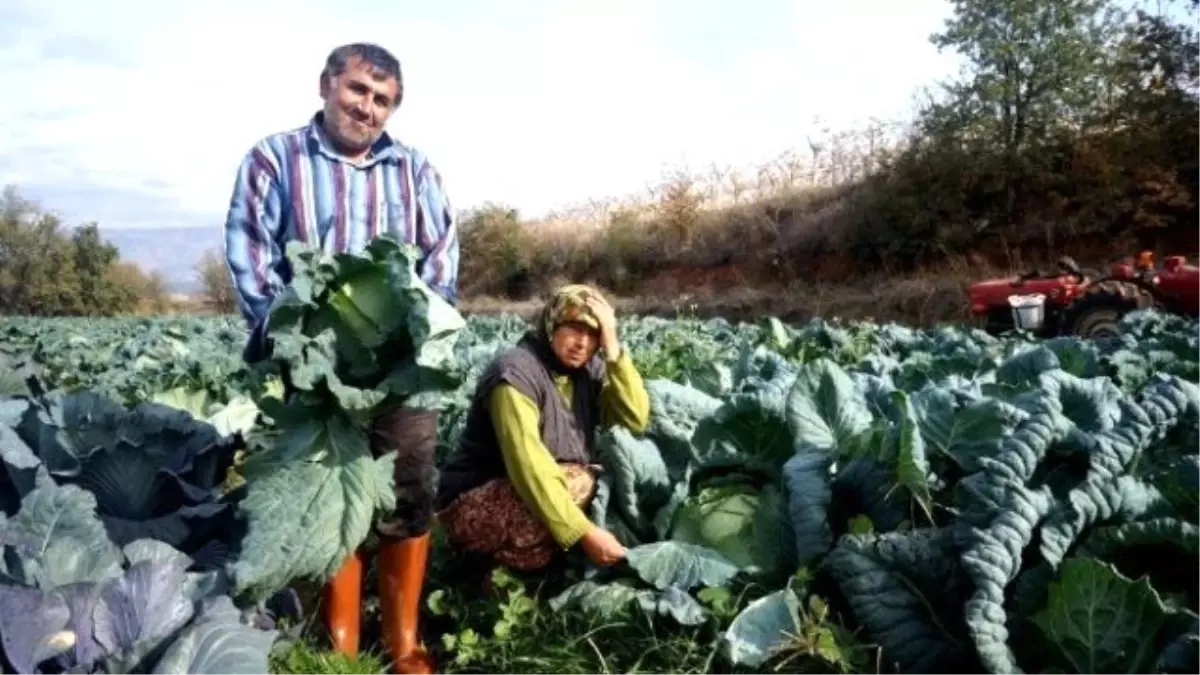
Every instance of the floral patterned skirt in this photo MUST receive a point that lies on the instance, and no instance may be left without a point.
(491, 519)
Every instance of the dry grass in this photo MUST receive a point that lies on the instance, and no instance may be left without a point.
(757, 219)
(769, 240)
(922, 299)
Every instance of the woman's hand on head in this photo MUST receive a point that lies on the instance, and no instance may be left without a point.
(607, 318)
(601, 547)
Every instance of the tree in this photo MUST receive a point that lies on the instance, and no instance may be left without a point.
(1037, 68)
(1034, 66)
(37, 266)
(157, 298)
(217, 286)
(46, 269)
(496, 250)
(1073, 129)
(1156, 96)
(100, 292)
(149, 290)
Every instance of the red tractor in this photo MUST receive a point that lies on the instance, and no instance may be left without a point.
(1083, 303)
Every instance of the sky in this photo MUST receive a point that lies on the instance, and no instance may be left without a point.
(136, 113)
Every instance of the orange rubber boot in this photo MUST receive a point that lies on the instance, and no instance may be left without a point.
(342, 602)
(401, 569)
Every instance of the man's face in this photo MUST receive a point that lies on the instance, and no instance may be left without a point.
(358, 103)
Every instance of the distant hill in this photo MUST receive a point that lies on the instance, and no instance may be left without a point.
(173, 251)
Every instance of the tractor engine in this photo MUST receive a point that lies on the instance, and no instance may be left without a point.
(1130, 286)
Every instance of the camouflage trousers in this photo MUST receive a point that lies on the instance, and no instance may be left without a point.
(493, 520)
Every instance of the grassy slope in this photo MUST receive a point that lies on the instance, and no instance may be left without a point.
(798, 239)
(916, 299)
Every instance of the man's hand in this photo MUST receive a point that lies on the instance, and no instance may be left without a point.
(607, 318)
(601, 547)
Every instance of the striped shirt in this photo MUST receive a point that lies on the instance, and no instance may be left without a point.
(293, 186)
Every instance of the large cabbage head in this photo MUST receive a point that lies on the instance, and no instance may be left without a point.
(741, 520)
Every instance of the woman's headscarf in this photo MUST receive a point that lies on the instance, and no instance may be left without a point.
(568, 304)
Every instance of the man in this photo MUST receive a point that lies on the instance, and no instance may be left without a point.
(339, 181)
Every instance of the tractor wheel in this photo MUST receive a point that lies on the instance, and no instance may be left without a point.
(1097, 313)
(996, 322)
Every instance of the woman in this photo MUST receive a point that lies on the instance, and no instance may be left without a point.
(516, 488)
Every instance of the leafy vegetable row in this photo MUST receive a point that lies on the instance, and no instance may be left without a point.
(961, 502)
(1031, 516)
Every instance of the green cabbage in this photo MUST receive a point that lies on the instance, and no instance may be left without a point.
(739, 520)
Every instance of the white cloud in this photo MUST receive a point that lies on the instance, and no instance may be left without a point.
(534, 104)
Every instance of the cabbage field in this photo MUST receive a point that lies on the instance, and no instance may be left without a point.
(833, 497)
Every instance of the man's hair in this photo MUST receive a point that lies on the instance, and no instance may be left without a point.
(381, 61)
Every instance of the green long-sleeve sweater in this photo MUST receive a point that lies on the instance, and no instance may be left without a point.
(534, 474)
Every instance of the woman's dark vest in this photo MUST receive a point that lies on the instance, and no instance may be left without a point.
(568, 432)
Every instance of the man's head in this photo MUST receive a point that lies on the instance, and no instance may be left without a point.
(361, 86)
